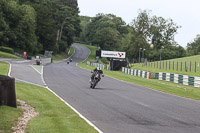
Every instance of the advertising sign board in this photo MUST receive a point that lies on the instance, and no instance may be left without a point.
(113, 54)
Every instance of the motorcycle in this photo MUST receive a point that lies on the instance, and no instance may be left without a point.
(96, 79)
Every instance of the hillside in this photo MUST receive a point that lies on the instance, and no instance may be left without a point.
(184, 66)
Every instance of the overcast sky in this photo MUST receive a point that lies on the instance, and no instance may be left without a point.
(185, 13)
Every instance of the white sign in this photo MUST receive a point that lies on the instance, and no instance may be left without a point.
(113, 54)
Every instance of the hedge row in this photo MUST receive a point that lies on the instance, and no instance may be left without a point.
(6, 49)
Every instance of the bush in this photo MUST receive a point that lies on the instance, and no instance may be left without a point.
(6, 49)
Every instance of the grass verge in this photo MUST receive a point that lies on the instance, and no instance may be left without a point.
(4, 68)
(8, 115)
(55, 116)
(61, 56)
(164, 86)
(8, 55)
(185, 66)
(8, 118)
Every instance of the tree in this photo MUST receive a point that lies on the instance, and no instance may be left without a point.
(155, 31)
(26, 28)
(162, 32)
(193, 48)
(107, 38)
(18, 26)
(57, 23)
(106, 30)
(133, 43)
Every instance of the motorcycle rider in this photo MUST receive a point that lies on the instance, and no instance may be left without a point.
(96, 70)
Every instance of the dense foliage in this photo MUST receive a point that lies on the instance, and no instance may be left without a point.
(193, 48)
(106, 30)
(38, 25)
(145, 37)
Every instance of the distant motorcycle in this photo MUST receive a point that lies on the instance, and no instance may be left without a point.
(67, 62)
(96, 79)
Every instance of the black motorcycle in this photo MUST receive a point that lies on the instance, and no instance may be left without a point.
(95, 80)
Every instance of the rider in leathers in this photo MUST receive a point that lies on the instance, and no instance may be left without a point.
(98, 69)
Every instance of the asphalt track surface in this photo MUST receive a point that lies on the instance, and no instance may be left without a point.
(114, 106)
(118, 107)
(23, 71)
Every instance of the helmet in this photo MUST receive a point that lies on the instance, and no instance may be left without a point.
(98, 68)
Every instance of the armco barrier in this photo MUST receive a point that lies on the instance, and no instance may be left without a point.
(102, 66)
(178, 78)
(45, 60)
(135, 72)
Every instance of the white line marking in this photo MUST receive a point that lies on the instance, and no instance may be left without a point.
(42, 77)
(35, 69)
(90, 123)
(29, 82)
(80, 115)
(140, 103)
(84, 118)
(23, 61)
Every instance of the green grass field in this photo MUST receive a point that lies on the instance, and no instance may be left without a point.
(55, 116)
(8, 55)
(4, 68)
(164, 86)
(8, 115)
(179, 66)
(61, 56)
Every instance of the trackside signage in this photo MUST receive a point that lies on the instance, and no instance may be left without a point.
(113, 54)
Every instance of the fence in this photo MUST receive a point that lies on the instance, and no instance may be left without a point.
(183, 66)
(45, 60)
(140, 73)
(178, 78)
(102, 66)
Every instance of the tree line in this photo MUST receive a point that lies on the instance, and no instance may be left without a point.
(38, 25)
(147, 36)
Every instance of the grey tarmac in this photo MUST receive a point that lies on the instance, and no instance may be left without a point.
(115, 106)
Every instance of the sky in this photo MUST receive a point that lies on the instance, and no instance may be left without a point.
(185, 13)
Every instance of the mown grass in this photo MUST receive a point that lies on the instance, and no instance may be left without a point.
(55, 116)
(4, 68)
(92, 56)
(8, 118)
(174, 67)
(164, 86)
(8, 115)
(61, 56)
(8, 55)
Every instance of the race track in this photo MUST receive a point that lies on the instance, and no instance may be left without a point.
(119, 107)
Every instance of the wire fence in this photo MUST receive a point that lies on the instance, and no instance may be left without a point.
(182, 66)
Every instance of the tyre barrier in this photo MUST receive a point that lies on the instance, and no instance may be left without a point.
(179, 79)
(134, 72)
